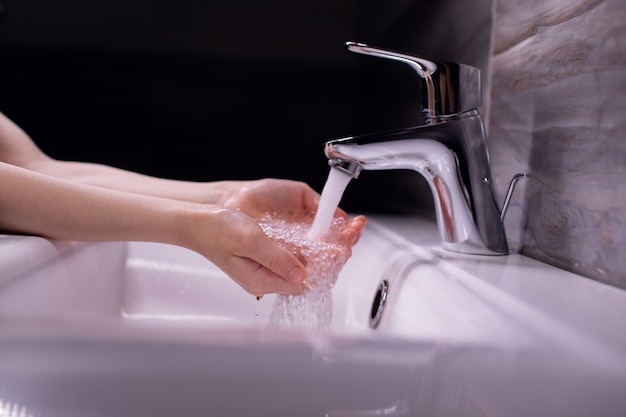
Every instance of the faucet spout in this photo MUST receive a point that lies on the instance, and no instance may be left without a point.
(435, 162)
(453, 159)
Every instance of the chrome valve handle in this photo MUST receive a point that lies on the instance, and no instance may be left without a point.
(448, 89)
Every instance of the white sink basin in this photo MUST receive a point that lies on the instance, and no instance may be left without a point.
(145, 329)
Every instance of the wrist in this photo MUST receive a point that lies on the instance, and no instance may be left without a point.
(222, 191)
(190, 225)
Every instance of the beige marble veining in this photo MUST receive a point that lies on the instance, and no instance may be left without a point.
(558, 111)
(517, 20)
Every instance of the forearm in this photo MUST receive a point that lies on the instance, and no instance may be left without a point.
(38, 204)
(122, 180)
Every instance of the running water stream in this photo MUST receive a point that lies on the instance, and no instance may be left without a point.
(322, 250)
(331, 196)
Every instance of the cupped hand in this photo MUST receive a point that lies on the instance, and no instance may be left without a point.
(247, 254)
(236, 244)
(257, 198)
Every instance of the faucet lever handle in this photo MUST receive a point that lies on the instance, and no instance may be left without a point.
(447, 88)
(424, 67)
(509, 192)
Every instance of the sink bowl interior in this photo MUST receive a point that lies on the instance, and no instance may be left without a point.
(164, 283)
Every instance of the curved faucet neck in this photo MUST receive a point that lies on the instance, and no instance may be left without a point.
(466, 204)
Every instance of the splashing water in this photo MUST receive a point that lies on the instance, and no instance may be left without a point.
(331, 195)
(324, 259)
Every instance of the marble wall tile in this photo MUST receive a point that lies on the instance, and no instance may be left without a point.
(558, 111)
(520, 19)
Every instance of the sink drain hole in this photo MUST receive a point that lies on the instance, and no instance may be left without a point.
(378, 305)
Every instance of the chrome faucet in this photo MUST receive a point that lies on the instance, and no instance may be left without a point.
(449, 150)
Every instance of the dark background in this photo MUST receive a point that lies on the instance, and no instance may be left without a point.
(207, 90)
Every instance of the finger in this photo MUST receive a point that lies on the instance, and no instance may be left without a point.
(353, 230)
(340, 213)
(311, 200)
(280, 262)
(259, 280)
(273, 284)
